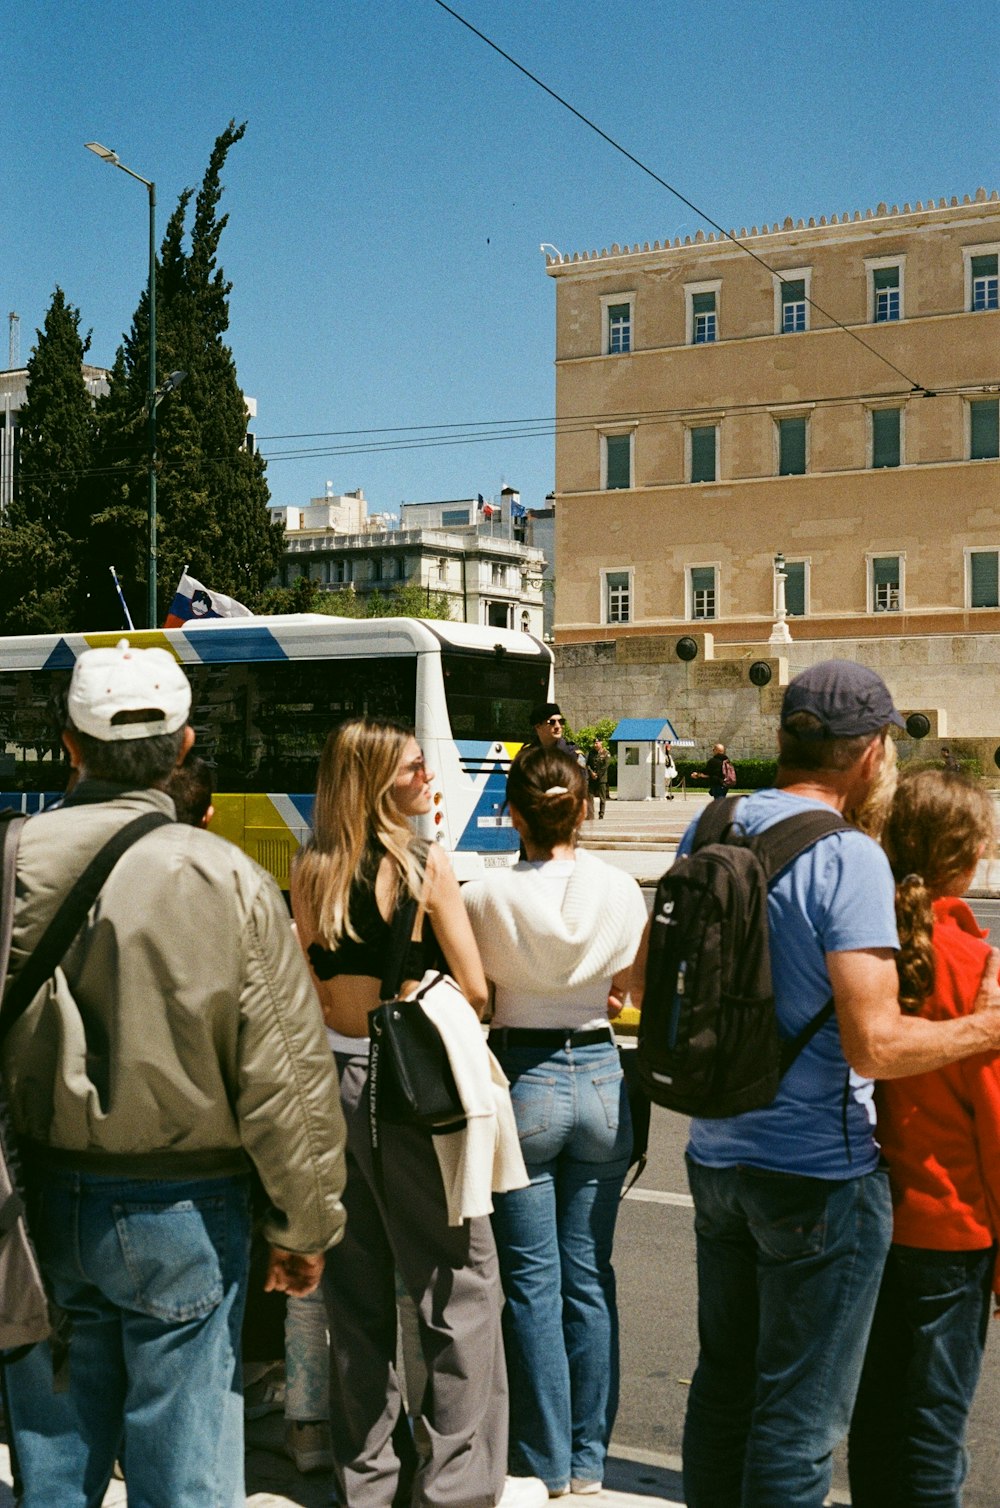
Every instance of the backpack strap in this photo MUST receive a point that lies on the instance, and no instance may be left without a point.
(61, 930)
(715, 824)
(8, 874)
(778, 845)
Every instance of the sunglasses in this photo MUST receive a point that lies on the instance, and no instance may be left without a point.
(556, 722)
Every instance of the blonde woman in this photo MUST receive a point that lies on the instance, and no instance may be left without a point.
(364, 863)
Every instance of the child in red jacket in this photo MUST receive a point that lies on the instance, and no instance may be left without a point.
(940, 1134)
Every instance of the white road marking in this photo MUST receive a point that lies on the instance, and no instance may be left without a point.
(656, 1196)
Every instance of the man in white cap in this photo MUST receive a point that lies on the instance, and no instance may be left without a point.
(177, 1049)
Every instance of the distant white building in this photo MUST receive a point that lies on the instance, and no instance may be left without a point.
(13, 395)
(483, 564)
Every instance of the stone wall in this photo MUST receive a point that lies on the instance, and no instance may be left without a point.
(954, 680)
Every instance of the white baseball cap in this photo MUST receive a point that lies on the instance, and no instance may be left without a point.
(107, 682)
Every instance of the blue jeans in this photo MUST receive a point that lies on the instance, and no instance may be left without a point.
(554, 1242)
(153, 1277)
(788, 1274)
(907, 1440)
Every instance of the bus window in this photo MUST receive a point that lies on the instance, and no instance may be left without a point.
(490, 696)
(32, 704)
(263, 725)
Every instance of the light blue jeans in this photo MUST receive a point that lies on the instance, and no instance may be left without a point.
(153, 1276)
(554, 1241)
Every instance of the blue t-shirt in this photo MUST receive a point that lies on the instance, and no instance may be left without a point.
(837, 897)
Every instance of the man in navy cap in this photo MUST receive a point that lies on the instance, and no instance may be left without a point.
(792, 1214)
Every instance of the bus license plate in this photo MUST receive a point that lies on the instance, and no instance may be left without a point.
(496, 861)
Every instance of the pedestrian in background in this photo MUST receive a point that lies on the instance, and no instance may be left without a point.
(940, 1134)
(557, 935)
(718, 772)
(598, 761)
(669, 770)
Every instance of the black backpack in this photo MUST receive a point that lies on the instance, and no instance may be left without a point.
(708, 1034)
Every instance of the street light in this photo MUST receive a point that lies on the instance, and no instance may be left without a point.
(107, 155)
(779, 632)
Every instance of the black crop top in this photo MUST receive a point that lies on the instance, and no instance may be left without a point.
(370, 955)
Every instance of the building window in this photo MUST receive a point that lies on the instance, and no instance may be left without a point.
(498, 574)
(377, 568)
(704, 445)
(617, 596)
(886, 294)
(339, 571)
(984, 429)
(792, 297)
(498, 614)
(984, 282)
(791, 447)
(451, 516)
(795, 588)
(886, 437)
(703, 312)
(617, 459)
(983, 578)
(617, 316)
(886, 583)
(702, 591)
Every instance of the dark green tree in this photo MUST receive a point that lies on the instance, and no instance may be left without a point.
(212, 490)
(41, 589)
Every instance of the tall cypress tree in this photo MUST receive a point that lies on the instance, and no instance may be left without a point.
(41, 585)
(212, 492)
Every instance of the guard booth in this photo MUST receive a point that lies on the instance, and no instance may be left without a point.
(640, 743)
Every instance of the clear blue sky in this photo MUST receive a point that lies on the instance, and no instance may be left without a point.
(387, 203)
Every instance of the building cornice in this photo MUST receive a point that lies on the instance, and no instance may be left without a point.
(788, 235)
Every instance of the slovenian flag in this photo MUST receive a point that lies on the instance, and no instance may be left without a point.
(192, 602)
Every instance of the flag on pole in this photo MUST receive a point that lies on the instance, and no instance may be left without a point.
(483, 507)
(193, 602)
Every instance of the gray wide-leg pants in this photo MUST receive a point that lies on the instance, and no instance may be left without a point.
(453, 1277)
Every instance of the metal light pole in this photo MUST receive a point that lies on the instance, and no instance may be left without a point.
(780, 632)
(107, 155)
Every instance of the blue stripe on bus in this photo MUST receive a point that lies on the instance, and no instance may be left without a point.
(483, 832)
(219, 645)
(61, 658)
(304, 806)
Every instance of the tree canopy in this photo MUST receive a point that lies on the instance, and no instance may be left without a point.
(42, 586)
(212, 493)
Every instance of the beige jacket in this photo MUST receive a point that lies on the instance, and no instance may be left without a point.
(182, 1030)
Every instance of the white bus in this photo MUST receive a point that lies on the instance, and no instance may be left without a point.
(268, 690)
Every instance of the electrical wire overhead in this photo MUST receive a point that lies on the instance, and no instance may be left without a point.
(915, 387)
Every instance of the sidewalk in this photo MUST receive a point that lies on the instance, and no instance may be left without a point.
(636, 1479)
(641, 838)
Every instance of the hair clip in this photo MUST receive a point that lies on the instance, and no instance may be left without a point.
(908, 877)
(557, 790)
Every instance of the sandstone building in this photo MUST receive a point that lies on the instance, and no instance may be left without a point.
(713, 415)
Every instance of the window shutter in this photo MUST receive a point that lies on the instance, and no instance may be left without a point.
(885, 570)
(702, 578)
(985, 430)
(703, 454)
(984, 583)
(619, 460)
(703, 303)
(618, 311)
(885, 437)
(886, 277)
(984, 267)
(791, 447)
(793, 292)
(795, 587)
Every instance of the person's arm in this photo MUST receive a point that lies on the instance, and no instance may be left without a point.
(287, 1100)
(880, 1042)
(454, 931)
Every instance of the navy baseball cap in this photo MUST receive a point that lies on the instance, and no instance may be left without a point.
(543, 712)
(848, 700)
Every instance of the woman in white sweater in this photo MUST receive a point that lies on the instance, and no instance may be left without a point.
(557, 935)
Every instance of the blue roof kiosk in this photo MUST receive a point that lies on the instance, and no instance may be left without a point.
(640, 743)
